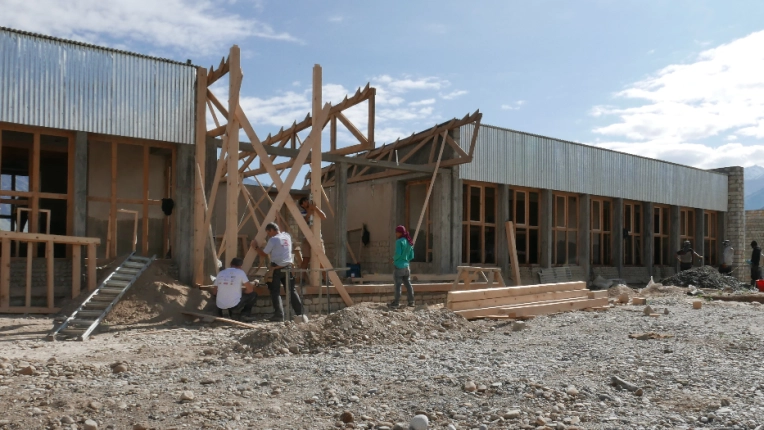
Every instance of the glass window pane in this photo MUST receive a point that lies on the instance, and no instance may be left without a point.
(637, 219)
(490, 245)
(511, 206)
(16, 159)
(521, 241)
(572, 247)
(683, 223)
(475, 203)
(573, 213)
(533, 209)
(628, 256)
(476, 244)
(707, 252)
(665, 254)
(465, 249)
(54, 164)
(560, 247)
(533, 246)
(627, 218)
(559, 210)
(596, 249)
(657, 251)
(705, 225)
(656, 220)
(520, 208)
(606, 254)
(665, 224)
(595, 215)
(466, 203)
(606, 216)
(637, 250)
(490, 205)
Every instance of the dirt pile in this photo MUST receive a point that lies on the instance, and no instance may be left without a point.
(616, 291)
(157, 298)
(364, 323)
(703, 277)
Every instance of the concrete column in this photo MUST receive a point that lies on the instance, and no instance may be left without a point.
(674, 240)
(698, 244)
(80, 178)
(546, 217)
(584, 233)
(735, 227)
(440, 204)
(182, 249)
(647, 236)
(341, 215)
(617, 236)
(502, 216)
(721, 235)
(457, 202)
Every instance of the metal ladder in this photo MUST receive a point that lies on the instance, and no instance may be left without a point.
(94, 309)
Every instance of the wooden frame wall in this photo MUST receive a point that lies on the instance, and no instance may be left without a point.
(633, 244)
(480, 222)
(600, 227)
(564, 229)
(427, 227)
(145, 202)
(663, 252)
(686, 225)
(710, 237)
(34, 194)
(525, 225)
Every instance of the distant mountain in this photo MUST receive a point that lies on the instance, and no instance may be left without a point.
(754, 187)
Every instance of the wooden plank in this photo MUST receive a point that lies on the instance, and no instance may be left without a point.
(352, 129)
(76, 270)
(315, 171)
(92, 266)
(50, 272)
(28, 283)
(509, 226)
(145, 232)
(232, 133)
(5, 274)
(221, 320)
(123, 201)
(512, 300)
(599, 294)
(28, 310)
(493, 293)
(372, 116)
(210, 238)
(200, 154)
(211, 97)
(372, 289)
(429, 192)
(40, 237)
(112, 246)
(549, 308)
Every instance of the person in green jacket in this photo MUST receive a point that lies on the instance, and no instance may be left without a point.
(404, 252)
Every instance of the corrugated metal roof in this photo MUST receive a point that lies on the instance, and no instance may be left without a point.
(50, 82)
(515, 158)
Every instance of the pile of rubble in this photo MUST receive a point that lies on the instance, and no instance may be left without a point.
(362, 324)
(704, 277)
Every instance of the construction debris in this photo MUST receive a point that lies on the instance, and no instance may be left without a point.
(705, 277)
(648, 310)
(628, 386)
(638, 301)
(697, 304)
(649, 335)
(746, 298)
(210, 318)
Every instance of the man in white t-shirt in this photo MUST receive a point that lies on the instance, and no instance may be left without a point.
(728, 256)
(228, 294)
(279, 249)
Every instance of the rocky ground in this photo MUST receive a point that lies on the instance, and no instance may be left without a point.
(373, 368)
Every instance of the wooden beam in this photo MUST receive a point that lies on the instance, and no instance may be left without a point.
(28, 287)
(213, 318)
(200, 154)
(352, 129)
(5, 273)
(211, 97)
(92, 266)
(208, 228)
(315, 172)
(429, 192)
(372, 117)
(232, 132)
(509, 226)
(76, 270)
(145, 232)
(49, 273)
(40, 237)
(216, 184)
(456, 146)
(214, 74)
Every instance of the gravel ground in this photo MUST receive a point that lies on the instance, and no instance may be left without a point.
(704, 370)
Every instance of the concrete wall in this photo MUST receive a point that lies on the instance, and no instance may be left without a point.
(735, 218)
(62, 285)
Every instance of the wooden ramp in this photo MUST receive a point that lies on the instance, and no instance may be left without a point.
(532, 300)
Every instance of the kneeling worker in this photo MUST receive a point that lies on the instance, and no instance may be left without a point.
(228, 286)
(279, 249)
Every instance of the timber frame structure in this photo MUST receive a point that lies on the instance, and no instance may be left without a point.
(359, 162)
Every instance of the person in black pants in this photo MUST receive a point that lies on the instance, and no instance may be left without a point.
(228, 291)
(279, 249)
(755, 259)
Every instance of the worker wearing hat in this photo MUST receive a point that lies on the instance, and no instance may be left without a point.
(685, 254)
(728, 254)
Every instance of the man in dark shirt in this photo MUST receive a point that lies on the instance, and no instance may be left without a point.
(755, 259)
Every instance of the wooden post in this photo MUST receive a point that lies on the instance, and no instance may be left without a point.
(509, 226)
(210, 238)
(76, 270)
(35, 186)
(372, 114)
(145, 233)
(232, 184)
(5, 274)
(429, 189)
(92, 266)
(50, 273)
(340, 217)
(201, 161)
(315, 173)
(28, 295)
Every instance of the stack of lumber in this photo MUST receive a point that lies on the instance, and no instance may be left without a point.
(525, 301)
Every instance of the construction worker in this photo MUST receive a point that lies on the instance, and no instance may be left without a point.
(754, 262)
(728, 254)
(228, 294)
(404, 253)
(685, 254)
(279, 249)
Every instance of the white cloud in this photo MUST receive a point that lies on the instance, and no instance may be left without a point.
(731, 138)
(453, 94)
(722, 91)
(651, 52)
(192, 25)
(424, 102)
(514, 106)
(407, 84)
(336, 19)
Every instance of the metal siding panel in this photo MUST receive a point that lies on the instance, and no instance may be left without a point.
(522, 159)
(52, 83)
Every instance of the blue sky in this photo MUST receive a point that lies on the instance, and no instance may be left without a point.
(679, 80)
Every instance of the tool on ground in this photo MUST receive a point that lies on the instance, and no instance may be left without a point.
(94, 309)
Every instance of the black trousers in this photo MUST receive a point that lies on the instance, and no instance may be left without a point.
(279, 279)
(245, 305)
(685, 266)
(725, 270)
(755, 274)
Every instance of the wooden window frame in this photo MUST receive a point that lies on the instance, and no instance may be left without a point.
(427, 222)
(567, 230)
(662, 233)
(525, 227)
(467, 222)
(710, 238)
(634, 228)
(686, 220)
(605, 235)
